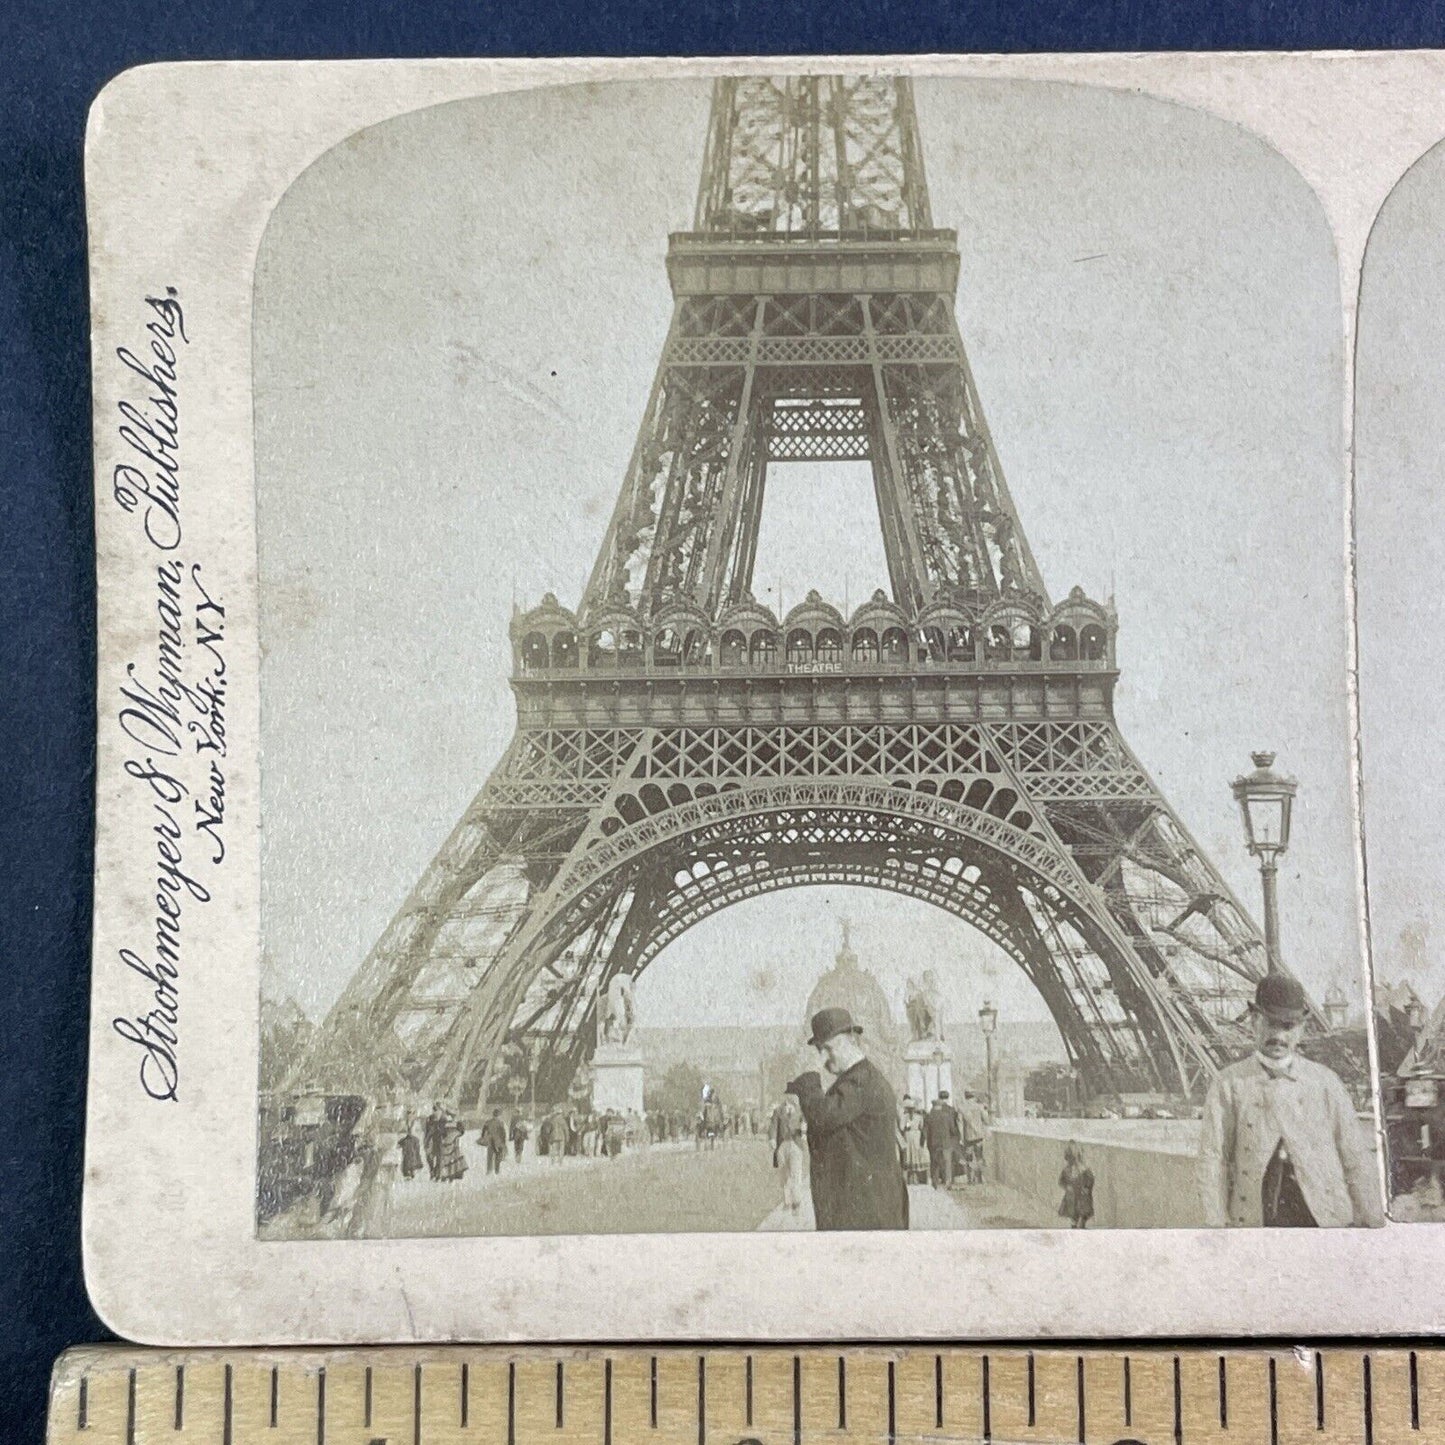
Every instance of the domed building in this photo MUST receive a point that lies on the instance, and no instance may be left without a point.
(850, 986)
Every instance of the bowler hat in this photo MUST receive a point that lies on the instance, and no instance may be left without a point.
(1280, 998)
(828, 1023)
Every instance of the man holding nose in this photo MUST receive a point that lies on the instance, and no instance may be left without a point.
(856, 1175)
(1280, 1144)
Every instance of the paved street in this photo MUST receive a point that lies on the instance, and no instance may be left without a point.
(976, 1206)
(670, 1188)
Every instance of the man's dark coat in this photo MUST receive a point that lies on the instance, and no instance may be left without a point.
(857, 1180)
(940, 1129)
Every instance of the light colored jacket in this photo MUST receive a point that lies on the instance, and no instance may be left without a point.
(1250, 1109)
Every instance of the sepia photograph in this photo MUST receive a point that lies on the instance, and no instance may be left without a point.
(1400, 429)
(771, 682)
(804, 654)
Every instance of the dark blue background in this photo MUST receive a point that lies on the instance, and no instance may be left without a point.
(53, 59)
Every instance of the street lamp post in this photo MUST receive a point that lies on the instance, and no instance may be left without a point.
(532, 1083)
(1337, 1008)
(1415, 1017)
(1266, 800)
(988, 1021)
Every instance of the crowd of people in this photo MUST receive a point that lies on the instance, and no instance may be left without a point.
(1280, 1144)
(937, 1145)
(431, 1144)
(943, 1142)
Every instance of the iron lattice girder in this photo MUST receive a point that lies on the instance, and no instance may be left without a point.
(1061, 760)
(814, 318)
(849, 299)
(878, 804)
(810, 155)
(814, 377)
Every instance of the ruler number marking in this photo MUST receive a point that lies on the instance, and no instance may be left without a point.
(1128, 1394)
(130, 1409)
(701, 1399)
(180, 1416)
(748, 1391)
(652, 1408)
(938, 1392)
(321, 1406)
(1319, 1391)
(1414, 1391)
(842, 1393)
(366, 1399)
(82, 1406)
(466, 1392)
(1031, 1390)
(1273, 1403)
(227, 1406)
(1223, 1394)
(512, 1403)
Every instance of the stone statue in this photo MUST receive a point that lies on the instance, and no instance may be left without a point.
(619, 1014)
(925, 1011)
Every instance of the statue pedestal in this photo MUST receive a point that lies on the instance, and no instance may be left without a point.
(930, 1069)
(617, 1079)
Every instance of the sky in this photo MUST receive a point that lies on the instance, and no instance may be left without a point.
(1400, 520)
(458, 315)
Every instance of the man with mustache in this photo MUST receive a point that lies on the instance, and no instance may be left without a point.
(1280, 1145)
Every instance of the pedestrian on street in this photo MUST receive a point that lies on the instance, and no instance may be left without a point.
(410, 1150)
(973, 1125)
(788, 1150)
(432, 1133)
(857, 1180)
(520, 1132)
(556, 1127)
(452, 1164)
(1077, 1182)
(1280, 1145)
(611, 1131)
(942, 1135)
(910, 1130)
(494, 1138)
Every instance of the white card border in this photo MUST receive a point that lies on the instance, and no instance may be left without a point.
(170, 1251)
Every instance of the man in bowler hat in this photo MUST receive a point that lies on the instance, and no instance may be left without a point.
(1280, 1144)
(857, 1179)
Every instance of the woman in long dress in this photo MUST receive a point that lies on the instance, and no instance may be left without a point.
(452, 1164)
(790, 1151)
(915, 1153)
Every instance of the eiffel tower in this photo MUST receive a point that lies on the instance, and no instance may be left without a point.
(680, 748)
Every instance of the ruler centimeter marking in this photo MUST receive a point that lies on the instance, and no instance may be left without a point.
(872, 1395)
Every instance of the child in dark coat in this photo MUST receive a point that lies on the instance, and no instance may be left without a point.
(1077, 1182)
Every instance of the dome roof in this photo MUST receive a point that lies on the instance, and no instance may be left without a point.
(848, 985)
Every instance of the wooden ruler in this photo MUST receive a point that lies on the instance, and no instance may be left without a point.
(773, 1396)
